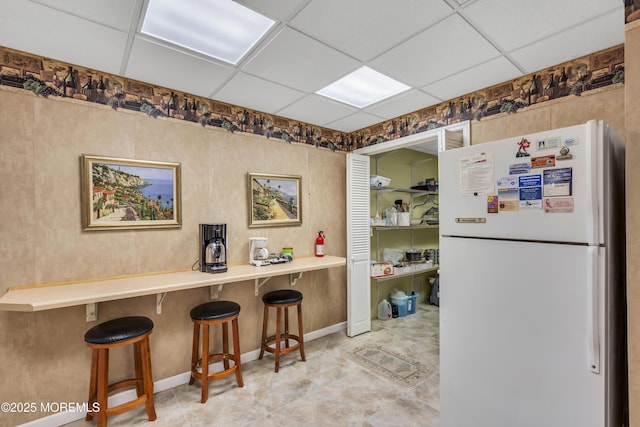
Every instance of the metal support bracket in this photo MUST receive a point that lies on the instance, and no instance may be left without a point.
(159, 300)
(92, 311)
(214, 290)
(293, 279)
(260, 284)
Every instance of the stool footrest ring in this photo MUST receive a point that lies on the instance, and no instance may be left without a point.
(284, 348)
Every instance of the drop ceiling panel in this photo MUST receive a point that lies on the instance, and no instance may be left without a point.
(44, 31)
(117, 14)
(154, 63)
(444, 49)
(276, 9)
(490, 73)
(363, 30)
(297, 61)
(599, 34)
(404, 103)
(242, 89)
(513, 24)
(316, 109)
(357, 121)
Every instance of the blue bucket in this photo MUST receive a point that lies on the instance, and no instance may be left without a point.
(401, 303)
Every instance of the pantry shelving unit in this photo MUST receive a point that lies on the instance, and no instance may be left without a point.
(407, 170)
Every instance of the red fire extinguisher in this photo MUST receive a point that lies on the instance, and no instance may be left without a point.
(320, 244)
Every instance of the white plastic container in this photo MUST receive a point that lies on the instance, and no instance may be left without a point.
(384, 310)
(404, 219)
(379, 181)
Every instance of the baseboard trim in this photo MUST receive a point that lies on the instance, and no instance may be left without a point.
(61, 418)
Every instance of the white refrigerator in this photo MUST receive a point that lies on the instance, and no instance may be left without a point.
(532, 281)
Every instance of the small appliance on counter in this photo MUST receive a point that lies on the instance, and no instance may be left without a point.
(213, 249)
(258, 252)
(280, 258)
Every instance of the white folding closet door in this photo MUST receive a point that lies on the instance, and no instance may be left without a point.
(358, 245)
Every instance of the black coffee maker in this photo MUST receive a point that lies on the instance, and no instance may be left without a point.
(213, 248)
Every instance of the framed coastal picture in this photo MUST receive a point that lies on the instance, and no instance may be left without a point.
(274, 200)
(128, 194)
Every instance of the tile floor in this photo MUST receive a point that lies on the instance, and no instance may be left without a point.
(329, 389)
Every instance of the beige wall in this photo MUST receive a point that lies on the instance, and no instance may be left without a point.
(605, 105)
(43, 357)
(632, 114)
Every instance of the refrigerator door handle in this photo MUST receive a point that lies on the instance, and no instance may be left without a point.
(592, 310)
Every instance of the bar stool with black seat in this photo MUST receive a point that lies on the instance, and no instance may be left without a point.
(134, 330)
(210, 314)
(281, 300)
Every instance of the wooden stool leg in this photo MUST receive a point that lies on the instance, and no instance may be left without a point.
(194, 351)
(225, 343)
(205, 363)
(102, 385)
(278, 321)
(300, 332)
(265, 319)
(286, 327)
(236, 352)
(147, 377)
(93, 380)
(137, 361)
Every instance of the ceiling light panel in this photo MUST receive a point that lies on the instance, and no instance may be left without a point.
(363, 87)
(222, 29)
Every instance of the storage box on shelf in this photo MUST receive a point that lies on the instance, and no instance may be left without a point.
(381, 269)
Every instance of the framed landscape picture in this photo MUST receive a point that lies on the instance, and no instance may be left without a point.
(274, 200)
(127, 194)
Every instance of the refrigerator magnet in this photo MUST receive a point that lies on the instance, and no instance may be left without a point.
(557, 182)
(548, 143)
(564, 154)
(531, 193)
(519, 168)
(509, 206)
(543, 161)
(492, 204)
(507, 181)
(523, 145)
(510, 193)
(530, 204)
(530, 181)
(558, 205)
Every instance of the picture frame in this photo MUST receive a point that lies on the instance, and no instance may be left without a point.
(125, 194)
(274, 200)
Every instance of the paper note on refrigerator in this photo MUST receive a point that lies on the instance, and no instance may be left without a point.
(476, 175)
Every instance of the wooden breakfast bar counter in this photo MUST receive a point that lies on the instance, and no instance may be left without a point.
(91, 292)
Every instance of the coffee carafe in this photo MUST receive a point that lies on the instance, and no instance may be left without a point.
(213, 248)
